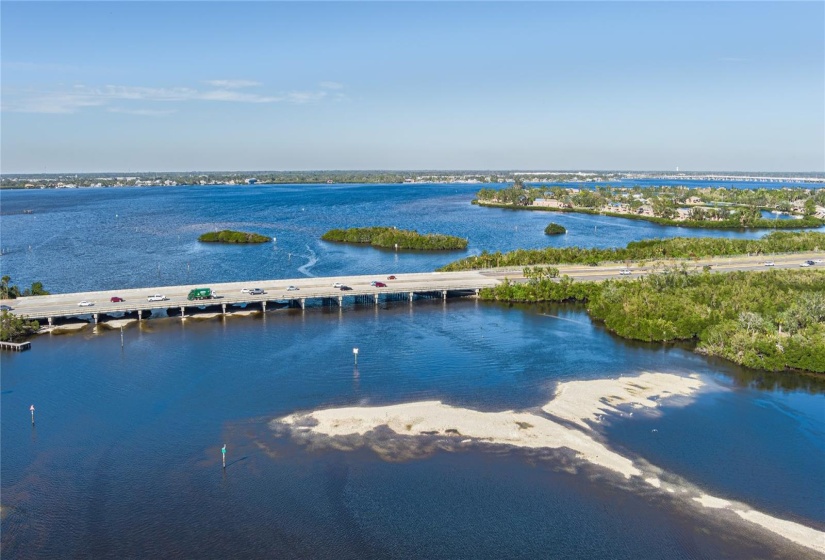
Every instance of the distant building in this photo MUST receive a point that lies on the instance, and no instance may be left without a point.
(251, 181)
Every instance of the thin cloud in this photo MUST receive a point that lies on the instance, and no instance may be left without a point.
(331, 85)
(232, 84)
(141, 112)
(80, 97)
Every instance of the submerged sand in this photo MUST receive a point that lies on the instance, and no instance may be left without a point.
(566, 422)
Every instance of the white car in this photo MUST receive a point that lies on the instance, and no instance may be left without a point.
(805, 264)
(625, 271)
(244, 290)
(337, 285)
(817, 261)
(85, 303)
(291, 289)
(769, 263)
(157, 297)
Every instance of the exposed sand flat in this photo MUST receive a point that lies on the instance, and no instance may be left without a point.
(520, 429)
(711, 501)
(70, 327)
(577, 401)
(203, 316)
(117, 323)
(574, 402)
(800, 534)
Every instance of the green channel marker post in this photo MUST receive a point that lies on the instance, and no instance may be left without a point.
(223, 454)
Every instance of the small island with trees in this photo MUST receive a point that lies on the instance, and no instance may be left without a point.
(229, 236)
(390, 238)
(705, 207)
(554, 229)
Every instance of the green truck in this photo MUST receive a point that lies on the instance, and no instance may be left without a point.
(200, 293)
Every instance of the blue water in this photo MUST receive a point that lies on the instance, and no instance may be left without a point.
(95, 239)
(124, 460)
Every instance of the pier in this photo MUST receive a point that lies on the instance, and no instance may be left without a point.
(15, 346)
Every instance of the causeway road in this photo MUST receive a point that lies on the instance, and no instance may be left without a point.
(66, 305)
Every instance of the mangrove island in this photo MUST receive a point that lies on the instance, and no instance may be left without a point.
(229, 236)
(389, 237)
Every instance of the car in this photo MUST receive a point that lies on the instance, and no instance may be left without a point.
(256, 291)
(85, 303)
(116, 299)
(805, 264)
(244, 290)
(291, 288)
(391, 277)
(380, 285)
(817, 261)
(6, 308)
(625, 271)
(769, 263)
(157, 297)
(337, 284)
(344, 288)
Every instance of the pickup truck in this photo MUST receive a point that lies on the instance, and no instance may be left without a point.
(157, 297)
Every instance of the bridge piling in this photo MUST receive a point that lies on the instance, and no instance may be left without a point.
(182, 313)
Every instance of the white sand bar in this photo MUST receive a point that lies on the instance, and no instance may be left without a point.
(577, 402)
(519, 429)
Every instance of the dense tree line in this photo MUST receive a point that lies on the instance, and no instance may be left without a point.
(674, 248)
(772, 320)
(229, 236)
(9, 291)
(14, 328)
(391, 237)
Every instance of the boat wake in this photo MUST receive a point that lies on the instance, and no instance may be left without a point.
(312, 259)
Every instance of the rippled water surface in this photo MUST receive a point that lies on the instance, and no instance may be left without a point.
(124, 460)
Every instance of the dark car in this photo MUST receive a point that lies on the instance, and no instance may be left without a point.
(344, 288)
(391, 277)
(380, 285)
(116, 299)
(5, 308)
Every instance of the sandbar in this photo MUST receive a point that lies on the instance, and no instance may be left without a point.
(567, 421)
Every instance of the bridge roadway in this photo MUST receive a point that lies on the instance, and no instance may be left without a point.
(436, 283)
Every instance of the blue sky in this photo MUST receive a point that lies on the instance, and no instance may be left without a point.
(115, 86)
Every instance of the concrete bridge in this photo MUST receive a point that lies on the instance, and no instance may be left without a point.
(58, 308)
(228, 297)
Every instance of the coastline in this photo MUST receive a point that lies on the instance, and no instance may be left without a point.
(803, 223)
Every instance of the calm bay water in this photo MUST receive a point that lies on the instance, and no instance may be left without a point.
(124, 461)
